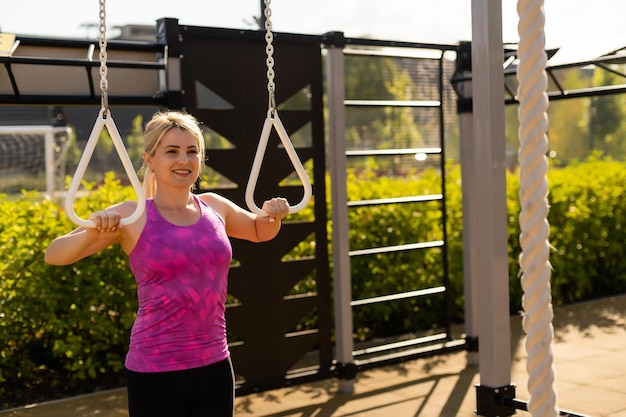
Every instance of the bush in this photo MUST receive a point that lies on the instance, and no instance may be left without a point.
(62, 328)
(586, 216)
(401, 271)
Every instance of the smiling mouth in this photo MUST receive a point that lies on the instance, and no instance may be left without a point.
(182, 171)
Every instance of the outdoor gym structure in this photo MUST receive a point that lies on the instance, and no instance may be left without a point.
(219, 75)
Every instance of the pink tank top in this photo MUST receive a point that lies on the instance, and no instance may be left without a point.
(181, 274)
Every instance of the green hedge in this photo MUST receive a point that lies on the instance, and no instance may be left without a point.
(63, 328)
(587, 230)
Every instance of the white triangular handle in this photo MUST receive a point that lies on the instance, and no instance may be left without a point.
(273, 120)
(101, 122)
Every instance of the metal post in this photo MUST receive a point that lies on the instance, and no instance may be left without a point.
(490, 234)
(470, 273)
(462, 83)
(341, 245)
(262, 19)
(50, 164)
(170, 80)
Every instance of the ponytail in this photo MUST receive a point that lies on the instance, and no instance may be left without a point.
(149, 183)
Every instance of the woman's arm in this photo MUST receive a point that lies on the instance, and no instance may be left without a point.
(83, 242)
(242, 224)
(79, 244)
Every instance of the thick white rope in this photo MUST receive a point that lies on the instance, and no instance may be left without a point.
(534, 259)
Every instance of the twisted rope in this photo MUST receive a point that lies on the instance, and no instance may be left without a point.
(534, 259)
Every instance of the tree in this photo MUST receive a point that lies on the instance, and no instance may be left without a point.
(569, 122)
(605, 119)
(134, 142)
(382, 127)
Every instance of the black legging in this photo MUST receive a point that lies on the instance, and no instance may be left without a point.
(198, 392)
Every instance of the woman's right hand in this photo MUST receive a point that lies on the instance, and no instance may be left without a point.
(85, 241)
(106, 220)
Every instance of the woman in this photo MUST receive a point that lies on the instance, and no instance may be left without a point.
(178, 363)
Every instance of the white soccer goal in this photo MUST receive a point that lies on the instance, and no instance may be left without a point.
(33, 158)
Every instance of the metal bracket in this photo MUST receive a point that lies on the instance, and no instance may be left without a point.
(489, 401)
(346, 371)
(471, 343)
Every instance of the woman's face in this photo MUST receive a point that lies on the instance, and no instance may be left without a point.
(176, 160)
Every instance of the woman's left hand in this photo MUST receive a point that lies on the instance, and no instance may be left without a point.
(277, 208)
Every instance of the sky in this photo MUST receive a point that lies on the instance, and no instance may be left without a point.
(582, 28)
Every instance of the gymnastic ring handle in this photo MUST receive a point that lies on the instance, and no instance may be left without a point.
(272, 119)
(104, 119)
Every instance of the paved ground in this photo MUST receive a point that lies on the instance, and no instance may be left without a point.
(589, 359)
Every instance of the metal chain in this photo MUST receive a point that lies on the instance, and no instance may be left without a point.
(269, 49)
(103, 56)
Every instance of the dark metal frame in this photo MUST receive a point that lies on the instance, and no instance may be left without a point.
(558, 92)
(388, 353)
(269, 352)
(91, 79)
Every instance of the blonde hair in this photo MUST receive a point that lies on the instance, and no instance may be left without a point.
(156, 128)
